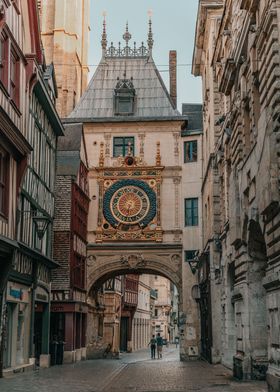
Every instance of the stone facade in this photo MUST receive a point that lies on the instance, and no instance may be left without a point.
(141, 324)
(236, 53)
(65, 32)
(162, 312)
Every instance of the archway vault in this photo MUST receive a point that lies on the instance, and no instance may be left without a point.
(107, 260)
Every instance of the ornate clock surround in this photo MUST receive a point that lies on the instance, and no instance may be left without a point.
(129, 200)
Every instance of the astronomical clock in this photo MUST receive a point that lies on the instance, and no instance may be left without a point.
(129, 200)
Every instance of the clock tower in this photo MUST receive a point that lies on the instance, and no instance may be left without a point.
(140, 197)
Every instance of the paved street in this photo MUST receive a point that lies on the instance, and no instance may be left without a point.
(132, 373)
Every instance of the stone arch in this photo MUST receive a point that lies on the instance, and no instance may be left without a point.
(169, 266)
(106, 263)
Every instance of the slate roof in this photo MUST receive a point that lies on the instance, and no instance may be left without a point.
(152, 98)
(193, 112)
(68, 150)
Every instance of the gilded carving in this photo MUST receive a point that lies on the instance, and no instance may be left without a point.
(129, 200)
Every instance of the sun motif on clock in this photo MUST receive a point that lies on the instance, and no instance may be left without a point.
(129, 202)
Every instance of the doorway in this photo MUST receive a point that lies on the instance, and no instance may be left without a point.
(124, 333)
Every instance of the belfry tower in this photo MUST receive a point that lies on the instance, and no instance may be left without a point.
(65, 32)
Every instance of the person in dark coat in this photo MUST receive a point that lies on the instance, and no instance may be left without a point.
(152, 343)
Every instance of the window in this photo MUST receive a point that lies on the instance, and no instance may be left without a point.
(190, 255)
(156, 312)
(190, 151)
(120, 146)
(191, 212)
(14, 77)
(78, 271)
(124, 98)
(4, 62)
(4, 183)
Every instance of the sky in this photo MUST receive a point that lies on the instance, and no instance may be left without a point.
(173, 27)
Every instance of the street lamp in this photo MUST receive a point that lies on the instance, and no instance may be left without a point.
(41, 221)
(41, 224)
(193, 263)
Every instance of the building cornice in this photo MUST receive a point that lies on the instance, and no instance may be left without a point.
(122, 247)
(203, 7)
(124, 119)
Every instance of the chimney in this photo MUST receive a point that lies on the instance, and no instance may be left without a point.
(173, 76)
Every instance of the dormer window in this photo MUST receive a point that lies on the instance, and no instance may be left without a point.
(124, 98)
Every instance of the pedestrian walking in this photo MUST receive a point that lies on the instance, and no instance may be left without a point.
(152, 343)
(159, 346)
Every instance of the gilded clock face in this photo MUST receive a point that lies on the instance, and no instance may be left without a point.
(129, 202)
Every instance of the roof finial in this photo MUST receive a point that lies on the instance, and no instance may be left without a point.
(150, 33)
(127, 35)
(104, 35)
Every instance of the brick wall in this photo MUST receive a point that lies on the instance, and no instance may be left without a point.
(62, 234)
(61, 254)
(62, 221)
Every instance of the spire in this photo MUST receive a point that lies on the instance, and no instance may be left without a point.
(104, 36)
(150, 41)
(127, 35)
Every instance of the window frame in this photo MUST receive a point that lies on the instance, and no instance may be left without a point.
(14, 77)
(4, 60)
(191, 157)
(194, 219)
(123, 145)
(78, 271)
(5, 183)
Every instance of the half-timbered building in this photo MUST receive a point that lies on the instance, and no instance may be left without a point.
(30, 88)
(14, 146)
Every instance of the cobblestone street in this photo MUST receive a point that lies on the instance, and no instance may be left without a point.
(133, 372)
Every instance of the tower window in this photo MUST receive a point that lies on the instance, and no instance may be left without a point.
(121, 144)
(124, 98)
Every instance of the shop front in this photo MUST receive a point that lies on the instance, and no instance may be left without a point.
(42, 327)
(68, 332)
(16, 332)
